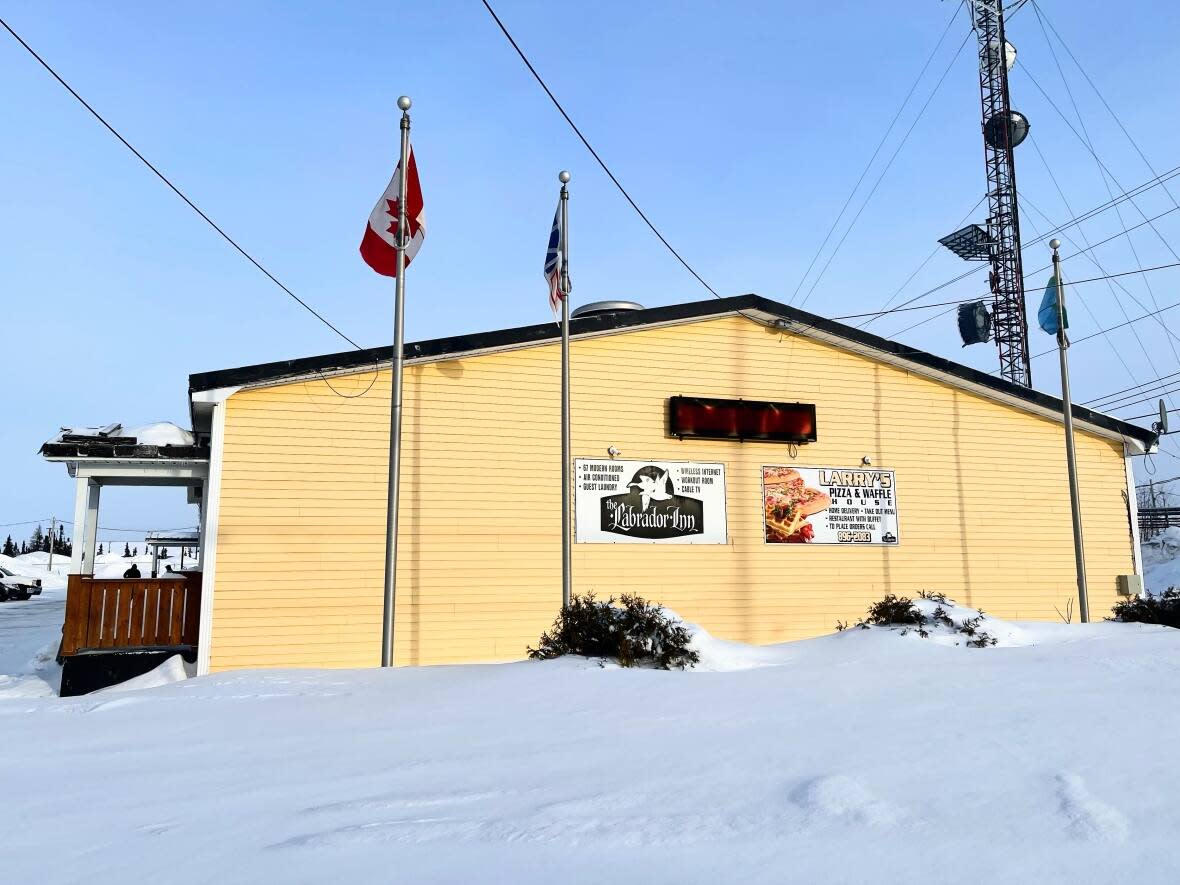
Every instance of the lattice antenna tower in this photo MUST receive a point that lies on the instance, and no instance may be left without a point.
(999, 244)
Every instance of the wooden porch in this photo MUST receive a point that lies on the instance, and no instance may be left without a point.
(131, 613)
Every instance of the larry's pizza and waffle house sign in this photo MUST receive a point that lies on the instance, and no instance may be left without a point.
(829, 505)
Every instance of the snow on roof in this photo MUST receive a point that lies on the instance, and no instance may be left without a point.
(160, 433)
(159, 440)
(159, 539)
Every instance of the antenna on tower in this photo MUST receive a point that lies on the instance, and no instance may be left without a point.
(998, 242)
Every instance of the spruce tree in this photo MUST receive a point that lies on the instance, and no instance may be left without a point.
(9, 547)
(126, 551)
(100, 548)
(135, 551)
(37, 542)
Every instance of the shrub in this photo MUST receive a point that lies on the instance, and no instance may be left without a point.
(1149, 609)
(899, 611)
(632, 631)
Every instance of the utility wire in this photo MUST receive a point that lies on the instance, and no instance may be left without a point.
(1105, 181)
(876, 152)
(1045, 19)
(1085, 303)
(1152, 415)
(1149, 392)
(528, 64)
(1157, 482)
(1146, 399)
(937, 248)
(1128, 389)
(884, 171)
(1085, 216)
(1107, 329)
(172, 186)
(1097, 159)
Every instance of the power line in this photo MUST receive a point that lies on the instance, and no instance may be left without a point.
(1086, 304)
(1147, 394)
(1097, 159)
(172, 186)
(876, 152)
(1128, 389)
(26, 522)
(1156, 482)
(594, 153)
(1151, 415)
(1045, 19)
(1077, 220)
(888, 165)
(1108, 329)
(1098, 279)
(1105, 181)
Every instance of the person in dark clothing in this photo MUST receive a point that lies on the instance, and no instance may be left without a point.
(132, 572)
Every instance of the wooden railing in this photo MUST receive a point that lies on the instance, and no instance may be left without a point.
(131, 613)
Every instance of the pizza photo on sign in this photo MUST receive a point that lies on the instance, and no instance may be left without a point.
(789, 501)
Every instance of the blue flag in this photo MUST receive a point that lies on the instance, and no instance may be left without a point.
(1047, 315)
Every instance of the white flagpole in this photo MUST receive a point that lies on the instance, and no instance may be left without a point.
(1070, 455)
(395, 411)
(566, 540)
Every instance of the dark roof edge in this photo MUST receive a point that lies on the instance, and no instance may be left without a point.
(544, 332)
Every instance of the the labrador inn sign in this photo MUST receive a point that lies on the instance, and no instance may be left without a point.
(649, 502)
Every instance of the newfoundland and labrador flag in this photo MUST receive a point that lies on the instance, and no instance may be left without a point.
(1047, 314)
(379, 245)
(553, 262)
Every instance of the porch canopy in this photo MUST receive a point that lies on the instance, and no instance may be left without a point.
(129, 613)
(117, 455)
(157, 541)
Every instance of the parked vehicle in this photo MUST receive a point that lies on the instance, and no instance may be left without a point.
(13, 586)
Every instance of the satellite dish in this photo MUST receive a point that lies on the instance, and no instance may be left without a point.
(1161, 426)
(975, 323)
(994, 129)
(993, 54)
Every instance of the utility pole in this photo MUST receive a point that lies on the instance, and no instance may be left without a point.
(1070, 455)
(52, 536)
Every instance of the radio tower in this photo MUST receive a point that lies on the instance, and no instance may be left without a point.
(1003, 130)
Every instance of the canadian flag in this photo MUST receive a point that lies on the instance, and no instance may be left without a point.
(379, 245)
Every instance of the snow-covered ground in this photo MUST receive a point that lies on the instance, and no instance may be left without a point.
(1161, 561)
(864, 756)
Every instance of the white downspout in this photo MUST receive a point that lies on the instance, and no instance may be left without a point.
(1133, 510)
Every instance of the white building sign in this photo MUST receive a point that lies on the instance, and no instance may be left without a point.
(829, 505)
(649, 502)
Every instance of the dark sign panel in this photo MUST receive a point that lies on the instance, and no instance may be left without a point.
(741, 419)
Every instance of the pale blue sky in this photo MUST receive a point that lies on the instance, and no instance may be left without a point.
(739, 127)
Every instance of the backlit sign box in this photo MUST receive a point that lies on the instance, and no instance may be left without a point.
(741, 419)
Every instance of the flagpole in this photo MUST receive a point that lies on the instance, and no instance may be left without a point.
(1070, 454)
(395, 410)
(566, 551)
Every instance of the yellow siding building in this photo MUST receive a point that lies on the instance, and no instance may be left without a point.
(294, 511)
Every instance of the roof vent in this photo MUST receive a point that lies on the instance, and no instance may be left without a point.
(604, 308)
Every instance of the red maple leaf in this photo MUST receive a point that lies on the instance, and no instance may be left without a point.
(411, 222)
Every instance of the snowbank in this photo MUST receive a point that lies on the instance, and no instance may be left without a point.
(175, 669)
(1161, 561)
(836, 759)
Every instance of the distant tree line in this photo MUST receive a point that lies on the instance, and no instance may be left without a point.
(39, 542)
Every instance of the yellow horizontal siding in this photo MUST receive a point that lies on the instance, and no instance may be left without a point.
(982, 500)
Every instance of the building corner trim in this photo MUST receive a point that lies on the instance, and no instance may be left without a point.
(210, 515)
